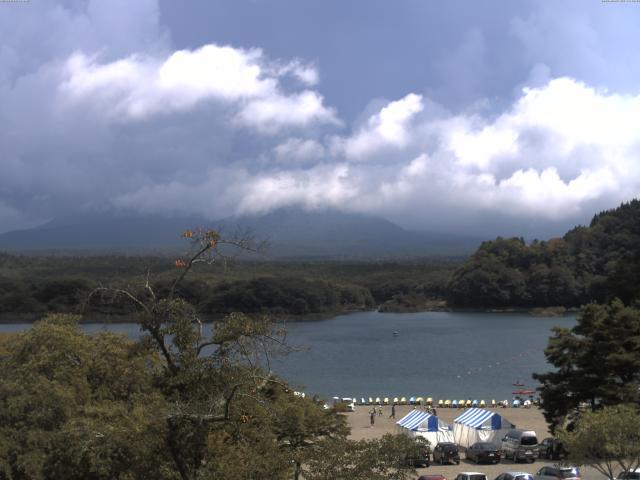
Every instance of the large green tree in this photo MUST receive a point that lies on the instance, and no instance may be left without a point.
(184, 402)
(597, 363)
(377, 459)
(607, 440)
(79, 407)
(595, 263)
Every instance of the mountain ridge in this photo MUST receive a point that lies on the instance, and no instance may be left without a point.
(290, 232)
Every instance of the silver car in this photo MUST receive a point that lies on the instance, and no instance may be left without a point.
(555, 473)
(514, 476)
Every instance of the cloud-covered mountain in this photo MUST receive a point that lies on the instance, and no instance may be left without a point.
(512, 114)
(289, 232)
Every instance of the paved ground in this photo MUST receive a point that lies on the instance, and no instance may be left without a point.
(528, 419)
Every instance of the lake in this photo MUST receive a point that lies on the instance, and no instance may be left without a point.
(437, 354)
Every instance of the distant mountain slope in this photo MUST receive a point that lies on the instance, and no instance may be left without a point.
(594, 263)
(298, 233)
(101, 234)
(290, 232)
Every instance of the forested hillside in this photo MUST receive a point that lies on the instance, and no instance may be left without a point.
(32, 286)
(594, 263)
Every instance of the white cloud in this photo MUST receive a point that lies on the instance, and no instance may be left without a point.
(387, 128)
(138, 87)
(216, 71)
(297, 150)
(481, 147)
(270, 114)
(303, 72)
(404, 184)
(319, 186)
(213, 194)
(556, 152)
(307, 74)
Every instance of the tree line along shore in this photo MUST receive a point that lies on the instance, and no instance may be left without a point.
(594, 263)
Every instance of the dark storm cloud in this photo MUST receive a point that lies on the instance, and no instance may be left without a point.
(414, 110)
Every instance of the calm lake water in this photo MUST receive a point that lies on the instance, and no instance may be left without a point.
(436, 354)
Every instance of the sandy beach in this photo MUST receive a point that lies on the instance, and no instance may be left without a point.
(528, 419)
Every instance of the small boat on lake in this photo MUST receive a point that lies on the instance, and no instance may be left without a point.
(523, 392)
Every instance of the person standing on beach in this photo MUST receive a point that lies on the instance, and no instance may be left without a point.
(393, 411)
(379, 411)
(372, 416)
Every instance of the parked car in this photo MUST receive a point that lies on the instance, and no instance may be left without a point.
(483, 452)
(551, 449)
(520, 445)
(471, 476)
(432, 477)
(446, 452)
(555, 473)
(514, 476)
(419, 455)
(629, 475)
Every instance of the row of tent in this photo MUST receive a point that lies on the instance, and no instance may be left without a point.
(474, 425)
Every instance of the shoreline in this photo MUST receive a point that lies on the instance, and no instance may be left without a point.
(546, 312)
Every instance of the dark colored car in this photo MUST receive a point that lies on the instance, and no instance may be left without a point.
(552, 449)
(419, 455)
(432, 477)
(483, 452)
(446, 452)
(629, 475)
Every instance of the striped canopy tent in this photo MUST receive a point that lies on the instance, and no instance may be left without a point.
(479, 425)
(422, 424)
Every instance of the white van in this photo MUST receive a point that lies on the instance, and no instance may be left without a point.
(520, 445)
(348, 402)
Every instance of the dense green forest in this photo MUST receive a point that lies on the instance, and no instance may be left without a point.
(594, 263)
(31, 286)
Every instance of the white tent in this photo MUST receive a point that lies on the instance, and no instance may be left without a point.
(423, 424)
(479, 425)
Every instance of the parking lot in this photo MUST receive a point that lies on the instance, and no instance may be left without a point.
(492, 471)
(529, 419)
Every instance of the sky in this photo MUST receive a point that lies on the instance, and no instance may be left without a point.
(485, 118)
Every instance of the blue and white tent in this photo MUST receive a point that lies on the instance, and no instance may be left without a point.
(479, 425)
(423, 424)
